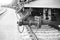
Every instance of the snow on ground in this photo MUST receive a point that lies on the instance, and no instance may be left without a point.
(8, 25)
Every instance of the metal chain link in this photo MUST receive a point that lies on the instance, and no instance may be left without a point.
(21, 6)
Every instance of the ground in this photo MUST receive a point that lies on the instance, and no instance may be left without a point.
(8, 28)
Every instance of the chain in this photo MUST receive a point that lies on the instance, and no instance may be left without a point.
(21, 6)
(19, 29)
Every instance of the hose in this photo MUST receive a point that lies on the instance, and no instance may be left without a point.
(32, 33)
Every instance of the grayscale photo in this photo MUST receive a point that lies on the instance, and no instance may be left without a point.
(29, 19)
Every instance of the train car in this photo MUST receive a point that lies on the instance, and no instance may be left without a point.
(37, 19)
